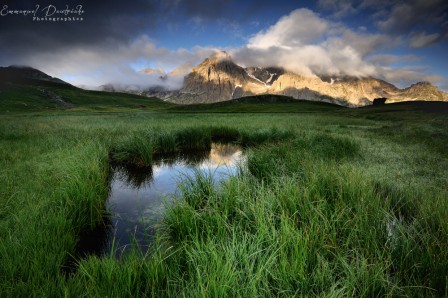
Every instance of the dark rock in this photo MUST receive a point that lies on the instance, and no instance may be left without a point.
(379, 101)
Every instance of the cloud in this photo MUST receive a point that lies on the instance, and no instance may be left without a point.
(393, 16)
(376, 4)
(341, 8)
(113, 42)
(403, 77)
(291, 31)
(405, 16)
(95, 66)
(397, 17)
(421, 39)
(330, 48)
(387, 59)
(362, 42)
(103, 24)
(444, 86)
(400, 20)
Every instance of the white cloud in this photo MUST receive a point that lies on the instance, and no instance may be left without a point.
(366, 43)
(99, 66)
(302, 42)
(387, 59)
(300, 27)
(403, 77)
(329, 48)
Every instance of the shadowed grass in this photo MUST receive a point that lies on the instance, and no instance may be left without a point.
(331, 205)
(295, 237)
(138, 149)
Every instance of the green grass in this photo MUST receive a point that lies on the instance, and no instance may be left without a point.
(333, 203)
(258, 104)
(32, 98)
(139, 148)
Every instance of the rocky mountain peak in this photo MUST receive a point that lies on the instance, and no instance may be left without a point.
(266, 75)
(423, 91)
(218, 78)
(422, 85)
(147, 70)
(218, 56)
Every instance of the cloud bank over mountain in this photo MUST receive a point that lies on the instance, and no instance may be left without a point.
(113, 44)
(95, 66)
(330, 48)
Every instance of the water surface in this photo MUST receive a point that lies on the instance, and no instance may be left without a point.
(138, 197)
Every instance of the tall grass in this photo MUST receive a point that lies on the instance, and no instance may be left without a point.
(317, 229)
(300, 236)
(39, 235)
(136, 150)
(330, 206)
(139, 148)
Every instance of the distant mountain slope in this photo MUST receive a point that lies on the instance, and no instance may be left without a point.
(218, 78)
(27, 89)
(26, 74)
(419, 91)
(266, 103)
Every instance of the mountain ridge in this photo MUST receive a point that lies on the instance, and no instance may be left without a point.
(26, 74)
(218, 78)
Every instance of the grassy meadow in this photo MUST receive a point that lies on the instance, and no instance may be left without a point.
(334, 202)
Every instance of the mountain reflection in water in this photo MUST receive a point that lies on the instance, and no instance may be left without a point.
(137, 196)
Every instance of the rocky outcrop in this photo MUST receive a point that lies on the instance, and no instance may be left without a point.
(157, 71)
(266, 75)
(346, 90)
(218, 78)
(379, 101)
(65, 103)
(420, 91)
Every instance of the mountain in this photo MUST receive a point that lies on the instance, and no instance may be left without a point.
(152, 83)
(218, 78)
(419, 91)
(26, 74)
(157, 71)
(25, 89)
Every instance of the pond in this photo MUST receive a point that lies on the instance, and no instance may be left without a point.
(138, 196)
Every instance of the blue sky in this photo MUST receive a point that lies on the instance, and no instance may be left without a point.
(228, 30)
(400, 41)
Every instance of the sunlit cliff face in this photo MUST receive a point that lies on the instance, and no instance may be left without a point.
(218, 78)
